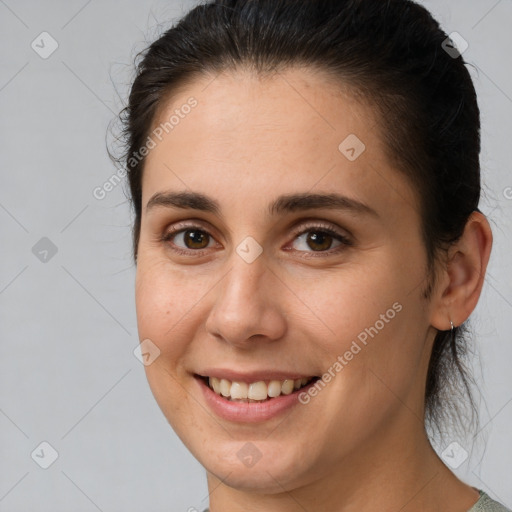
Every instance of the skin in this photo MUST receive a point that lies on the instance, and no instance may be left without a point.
(360, 444)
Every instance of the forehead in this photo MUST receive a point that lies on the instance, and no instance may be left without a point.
(294, 130)
(296, 106)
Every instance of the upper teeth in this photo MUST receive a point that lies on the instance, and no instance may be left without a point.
(256, 390)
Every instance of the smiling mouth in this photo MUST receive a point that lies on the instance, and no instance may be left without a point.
(260, 391)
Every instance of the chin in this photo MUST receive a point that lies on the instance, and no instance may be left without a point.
(267, 469)
(266, 479)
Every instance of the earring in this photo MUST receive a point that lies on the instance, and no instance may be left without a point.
(452, 333)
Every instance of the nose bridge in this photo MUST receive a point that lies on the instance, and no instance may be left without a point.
(248, 269)
(245, 303)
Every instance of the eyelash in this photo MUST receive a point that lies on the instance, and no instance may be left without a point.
(318, 228)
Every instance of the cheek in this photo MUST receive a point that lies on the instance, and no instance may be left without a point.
(351, 301)
(375, 323)
(165, 300)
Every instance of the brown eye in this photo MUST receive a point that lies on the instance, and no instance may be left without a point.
(188, 240)
(195, 238)
(319, 241)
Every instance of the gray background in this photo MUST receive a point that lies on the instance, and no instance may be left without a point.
(68, 328)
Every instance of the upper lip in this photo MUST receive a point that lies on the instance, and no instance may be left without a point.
(252, 376)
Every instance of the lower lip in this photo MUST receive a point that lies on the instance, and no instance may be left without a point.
(249, 412)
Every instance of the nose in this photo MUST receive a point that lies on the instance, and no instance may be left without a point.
(246, 305)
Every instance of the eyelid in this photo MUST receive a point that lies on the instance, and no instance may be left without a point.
(310, 225)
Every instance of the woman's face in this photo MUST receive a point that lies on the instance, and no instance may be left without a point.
(259, 279)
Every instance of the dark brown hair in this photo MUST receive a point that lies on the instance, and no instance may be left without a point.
(390, 52)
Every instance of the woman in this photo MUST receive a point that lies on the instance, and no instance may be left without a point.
(305, 182)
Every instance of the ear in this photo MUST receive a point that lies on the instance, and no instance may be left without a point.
(462, 278)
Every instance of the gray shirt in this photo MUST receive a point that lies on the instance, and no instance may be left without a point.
(484, 504)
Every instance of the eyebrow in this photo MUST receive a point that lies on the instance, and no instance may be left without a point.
(284, 203)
